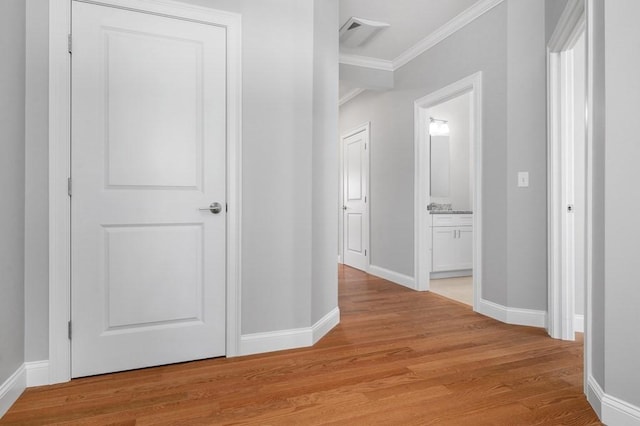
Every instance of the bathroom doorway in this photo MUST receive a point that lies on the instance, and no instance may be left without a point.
(448, 182)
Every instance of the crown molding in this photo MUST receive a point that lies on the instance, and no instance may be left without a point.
(457, 23)
(366, 62)
(346, 98)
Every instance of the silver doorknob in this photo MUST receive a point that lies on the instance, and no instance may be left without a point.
(214, 208)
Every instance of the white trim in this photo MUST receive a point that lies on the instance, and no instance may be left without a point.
(350, 95)
(325, 325)
(339, 260)
(451, 274)
(12, 388)
(460, 21)
(514, 316)
(394, 277)
(59, 167)
(588, 323)
(37, 373)
(366, 62)
(366, 128)
(560, 231)
(578, 323)
(473, 85)
(611, 410)
(258, 343)
(463, 19)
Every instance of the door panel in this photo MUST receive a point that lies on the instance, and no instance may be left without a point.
(148, 150)
(465, 248)
(356, 215)
(444, 249)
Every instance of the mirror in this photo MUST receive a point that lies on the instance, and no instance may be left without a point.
(440, 166)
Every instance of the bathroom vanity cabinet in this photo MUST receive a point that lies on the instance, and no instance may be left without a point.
(452, 243)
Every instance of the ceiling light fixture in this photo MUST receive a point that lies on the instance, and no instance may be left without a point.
(438, 127)
(357, 31)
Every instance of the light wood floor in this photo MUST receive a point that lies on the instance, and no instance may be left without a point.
(459, 289)
(397, 358)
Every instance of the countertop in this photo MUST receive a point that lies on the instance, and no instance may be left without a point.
(450, 212)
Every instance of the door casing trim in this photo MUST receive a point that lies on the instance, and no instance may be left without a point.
(561, 285)
(472, 85)
(60, 167)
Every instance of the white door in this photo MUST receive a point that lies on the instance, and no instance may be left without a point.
(355, 211)
(148, 150)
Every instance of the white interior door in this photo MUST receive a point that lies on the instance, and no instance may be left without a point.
(355, 210)
(148, 150)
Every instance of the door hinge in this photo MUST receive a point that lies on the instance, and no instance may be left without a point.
(365, 198)
(69, 43)
(69, 329)
(226, 208)
(365, 146)
(69, 186)
(365, 252)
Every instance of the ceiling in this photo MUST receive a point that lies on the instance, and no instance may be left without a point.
(411, 21)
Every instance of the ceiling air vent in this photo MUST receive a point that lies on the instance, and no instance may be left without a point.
(357, 31)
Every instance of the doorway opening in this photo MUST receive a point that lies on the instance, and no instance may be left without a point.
(567, 180)
(448, 177)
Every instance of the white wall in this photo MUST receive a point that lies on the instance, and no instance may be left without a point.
(457, 112)
(12, 160)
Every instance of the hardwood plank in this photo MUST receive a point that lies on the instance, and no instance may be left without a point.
(398, 357)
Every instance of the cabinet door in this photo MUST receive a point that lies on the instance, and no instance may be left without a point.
(464, 248)
(444, 249)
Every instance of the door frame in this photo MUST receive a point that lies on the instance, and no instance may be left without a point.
(561, 232)
(472, 85)
(366, 127)
(60, 167)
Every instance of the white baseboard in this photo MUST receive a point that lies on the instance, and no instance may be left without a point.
(451, 274)
(578, 323)
(37, 373)
(611, 410)
(339, 260)
(12, 388)
(325, 325)
(394, 277)
(258, 343)
(515, 316)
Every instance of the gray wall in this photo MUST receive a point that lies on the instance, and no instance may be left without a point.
(36, 271)
(367, 78)
(526, 150)
(598, 117)
(324, 291)
(12, 106)
(622, 228)
(392, 145)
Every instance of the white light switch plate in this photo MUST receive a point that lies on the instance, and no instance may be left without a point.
(523, 179)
